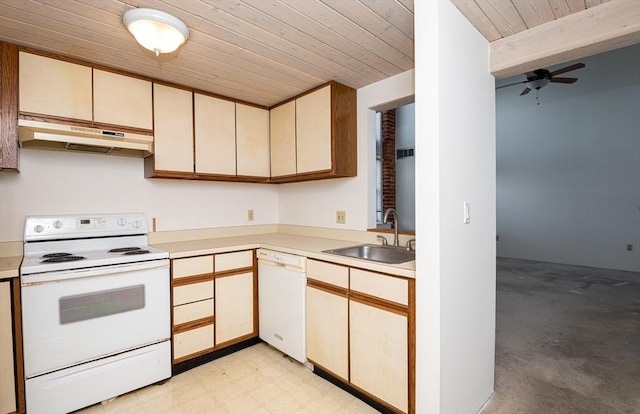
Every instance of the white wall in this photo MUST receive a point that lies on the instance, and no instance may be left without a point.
(52, 182)
(406, 168)
(569, 168)
(315, 203)
(455, 162)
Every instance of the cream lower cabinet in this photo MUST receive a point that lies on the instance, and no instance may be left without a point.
(359, 329)
(236, 297)
(193, 307)
(379, 336)
(327, 317)
(7, 372)
(213, 302)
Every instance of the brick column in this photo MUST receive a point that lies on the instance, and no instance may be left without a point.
(388, 160)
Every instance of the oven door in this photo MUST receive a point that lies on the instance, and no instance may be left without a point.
(84, 315)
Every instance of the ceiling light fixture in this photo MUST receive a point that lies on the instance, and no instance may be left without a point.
(155, 30)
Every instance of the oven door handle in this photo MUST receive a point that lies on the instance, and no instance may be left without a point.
(49, 277)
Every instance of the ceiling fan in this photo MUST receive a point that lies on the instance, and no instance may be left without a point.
(540, 78)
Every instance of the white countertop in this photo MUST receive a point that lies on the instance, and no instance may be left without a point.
(310, 247)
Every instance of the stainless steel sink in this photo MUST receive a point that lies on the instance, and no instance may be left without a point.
(376, 253)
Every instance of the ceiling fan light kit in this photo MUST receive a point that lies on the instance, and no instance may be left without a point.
(156, 30)
(540, 78)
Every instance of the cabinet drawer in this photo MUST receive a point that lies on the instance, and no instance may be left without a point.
(328, 273)
(191, 266)
(190, 342)
(192, 311)
(192, 293)
(381, 286)
(236, 260)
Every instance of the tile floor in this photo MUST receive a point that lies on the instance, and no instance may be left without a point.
(255, 380)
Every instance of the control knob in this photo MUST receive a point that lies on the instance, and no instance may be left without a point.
(57, 224)
(39, 228)
(122, 221)
(136, 224)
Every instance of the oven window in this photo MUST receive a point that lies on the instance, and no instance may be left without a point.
(96, 304)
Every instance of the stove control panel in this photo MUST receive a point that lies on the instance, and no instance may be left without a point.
(84, 225)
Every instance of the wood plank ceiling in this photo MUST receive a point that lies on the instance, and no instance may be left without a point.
(260, 51)
(497, 19)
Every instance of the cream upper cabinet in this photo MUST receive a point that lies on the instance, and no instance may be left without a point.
(215, 135)
(122, 100)
(313, 131)
(7, 374)
(252, 141)
(283, 139)
(173, 129)
(55, 87)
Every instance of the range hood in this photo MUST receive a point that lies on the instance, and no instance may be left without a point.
(46, 135)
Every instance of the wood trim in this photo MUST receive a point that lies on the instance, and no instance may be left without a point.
(256, 307)
(412, 346)
(235, 340)
(571, 37)
(17, 348)
(8, 106)
(329, 288)
(194, 355)
(190, 280)
(382, 304)
(198, 323)
(87, 124)
(233, 272)
(344, 130)
(390, 231)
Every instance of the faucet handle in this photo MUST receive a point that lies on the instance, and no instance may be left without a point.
(384, 240)
(409, 248)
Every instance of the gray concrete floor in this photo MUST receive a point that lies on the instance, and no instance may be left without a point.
(567, 340)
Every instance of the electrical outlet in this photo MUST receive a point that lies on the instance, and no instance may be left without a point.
(341, 217)
(497, 238)
(629, 247)
(250, 215)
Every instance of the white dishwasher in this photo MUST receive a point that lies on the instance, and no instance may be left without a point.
(282, 281)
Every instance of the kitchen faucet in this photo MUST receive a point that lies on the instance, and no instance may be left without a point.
(395, 224)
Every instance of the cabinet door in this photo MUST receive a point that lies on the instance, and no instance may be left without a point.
(215, 132)
(283, 139)
(234, 307)
(55, 87)
(313, 131)
(327, 331)
(173, 129)
(122, 100)
(252, 140)
(381, 370)
(7, 375)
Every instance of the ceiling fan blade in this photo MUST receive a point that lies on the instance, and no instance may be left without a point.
(564, 80)
(526, 91)
(568, 69)
(511, 84)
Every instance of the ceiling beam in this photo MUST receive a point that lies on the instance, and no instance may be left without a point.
(609, 26)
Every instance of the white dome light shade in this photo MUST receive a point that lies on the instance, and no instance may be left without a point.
(155, 30)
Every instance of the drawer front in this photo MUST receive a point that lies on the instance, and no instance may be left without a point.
(190, 342)
(191, 266)
(381, 286)
(192, 311)
(236, 260)
(328, 273)
(192, 293)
